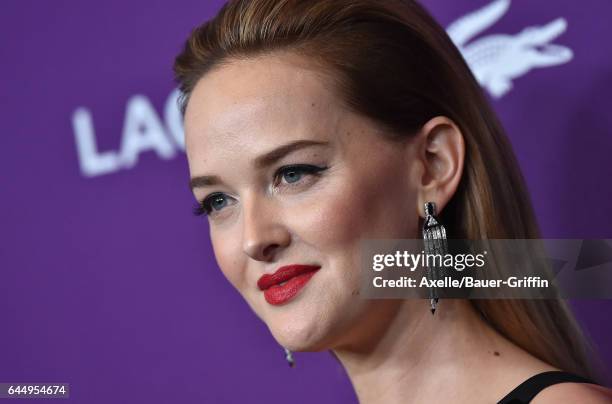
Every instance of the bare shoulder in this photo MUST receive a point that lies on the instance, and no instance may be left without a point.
(574, 393)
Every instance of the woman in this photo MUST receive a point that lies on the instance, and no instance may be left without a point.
(311, 125)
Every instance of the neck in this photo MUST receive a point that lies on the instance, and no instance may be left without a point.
(422, 357)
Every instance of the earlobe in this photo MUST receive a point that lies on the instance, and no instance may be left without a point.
(441, 150)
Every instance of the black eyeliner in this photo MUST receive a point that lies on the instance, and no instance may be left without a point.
(201, 207)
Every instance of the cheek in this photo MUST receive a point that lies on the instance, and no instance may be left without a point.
(343, 213)
(227, 259)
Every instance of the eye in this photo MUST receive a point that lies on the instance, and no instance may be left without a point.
(294, 173)
(212, 203)
(290, 174)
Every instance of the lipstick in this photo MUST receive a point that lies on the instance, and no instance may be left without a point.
(293, 279)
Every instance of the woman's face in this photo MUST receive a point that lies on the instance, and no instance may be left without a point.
(351, 184)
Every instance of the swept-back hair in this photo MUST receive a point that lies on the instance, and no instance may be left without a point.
(391, 61)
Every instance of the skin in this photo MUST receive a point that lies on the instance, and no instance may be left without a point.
(372, 188)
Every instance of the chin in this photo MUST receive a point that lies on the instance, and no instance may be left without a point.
(298, 335)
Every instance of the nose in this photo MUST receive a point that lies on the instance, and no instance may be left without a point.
(263, 233)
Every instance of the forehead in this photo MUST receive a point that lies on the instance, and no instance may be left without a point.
(258, 103)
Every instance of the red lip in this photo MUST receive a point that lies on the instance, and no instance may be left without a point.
(296, 276)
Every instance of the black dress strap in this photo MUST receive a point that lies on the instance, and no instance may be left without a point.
(526, 391)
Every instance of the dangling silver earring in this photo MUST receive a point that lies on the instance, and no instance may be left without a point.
(434, 237)
(289, 357)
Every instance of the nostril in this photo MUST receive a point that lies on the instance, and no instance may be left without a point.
(269, 250)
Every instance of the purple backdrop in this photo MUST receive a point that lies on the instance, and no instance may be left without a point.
(108, 282)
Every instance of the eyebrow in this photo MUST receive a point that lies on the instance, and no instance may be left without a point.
(262, 161)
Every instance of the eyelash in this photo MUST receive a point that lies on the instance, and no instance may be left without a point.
(203, 208)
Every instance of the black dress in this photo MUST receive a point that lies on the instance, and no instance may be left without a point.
(526, 391)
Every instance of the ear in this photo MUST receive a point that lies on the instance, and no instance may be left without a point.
(440, 150)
